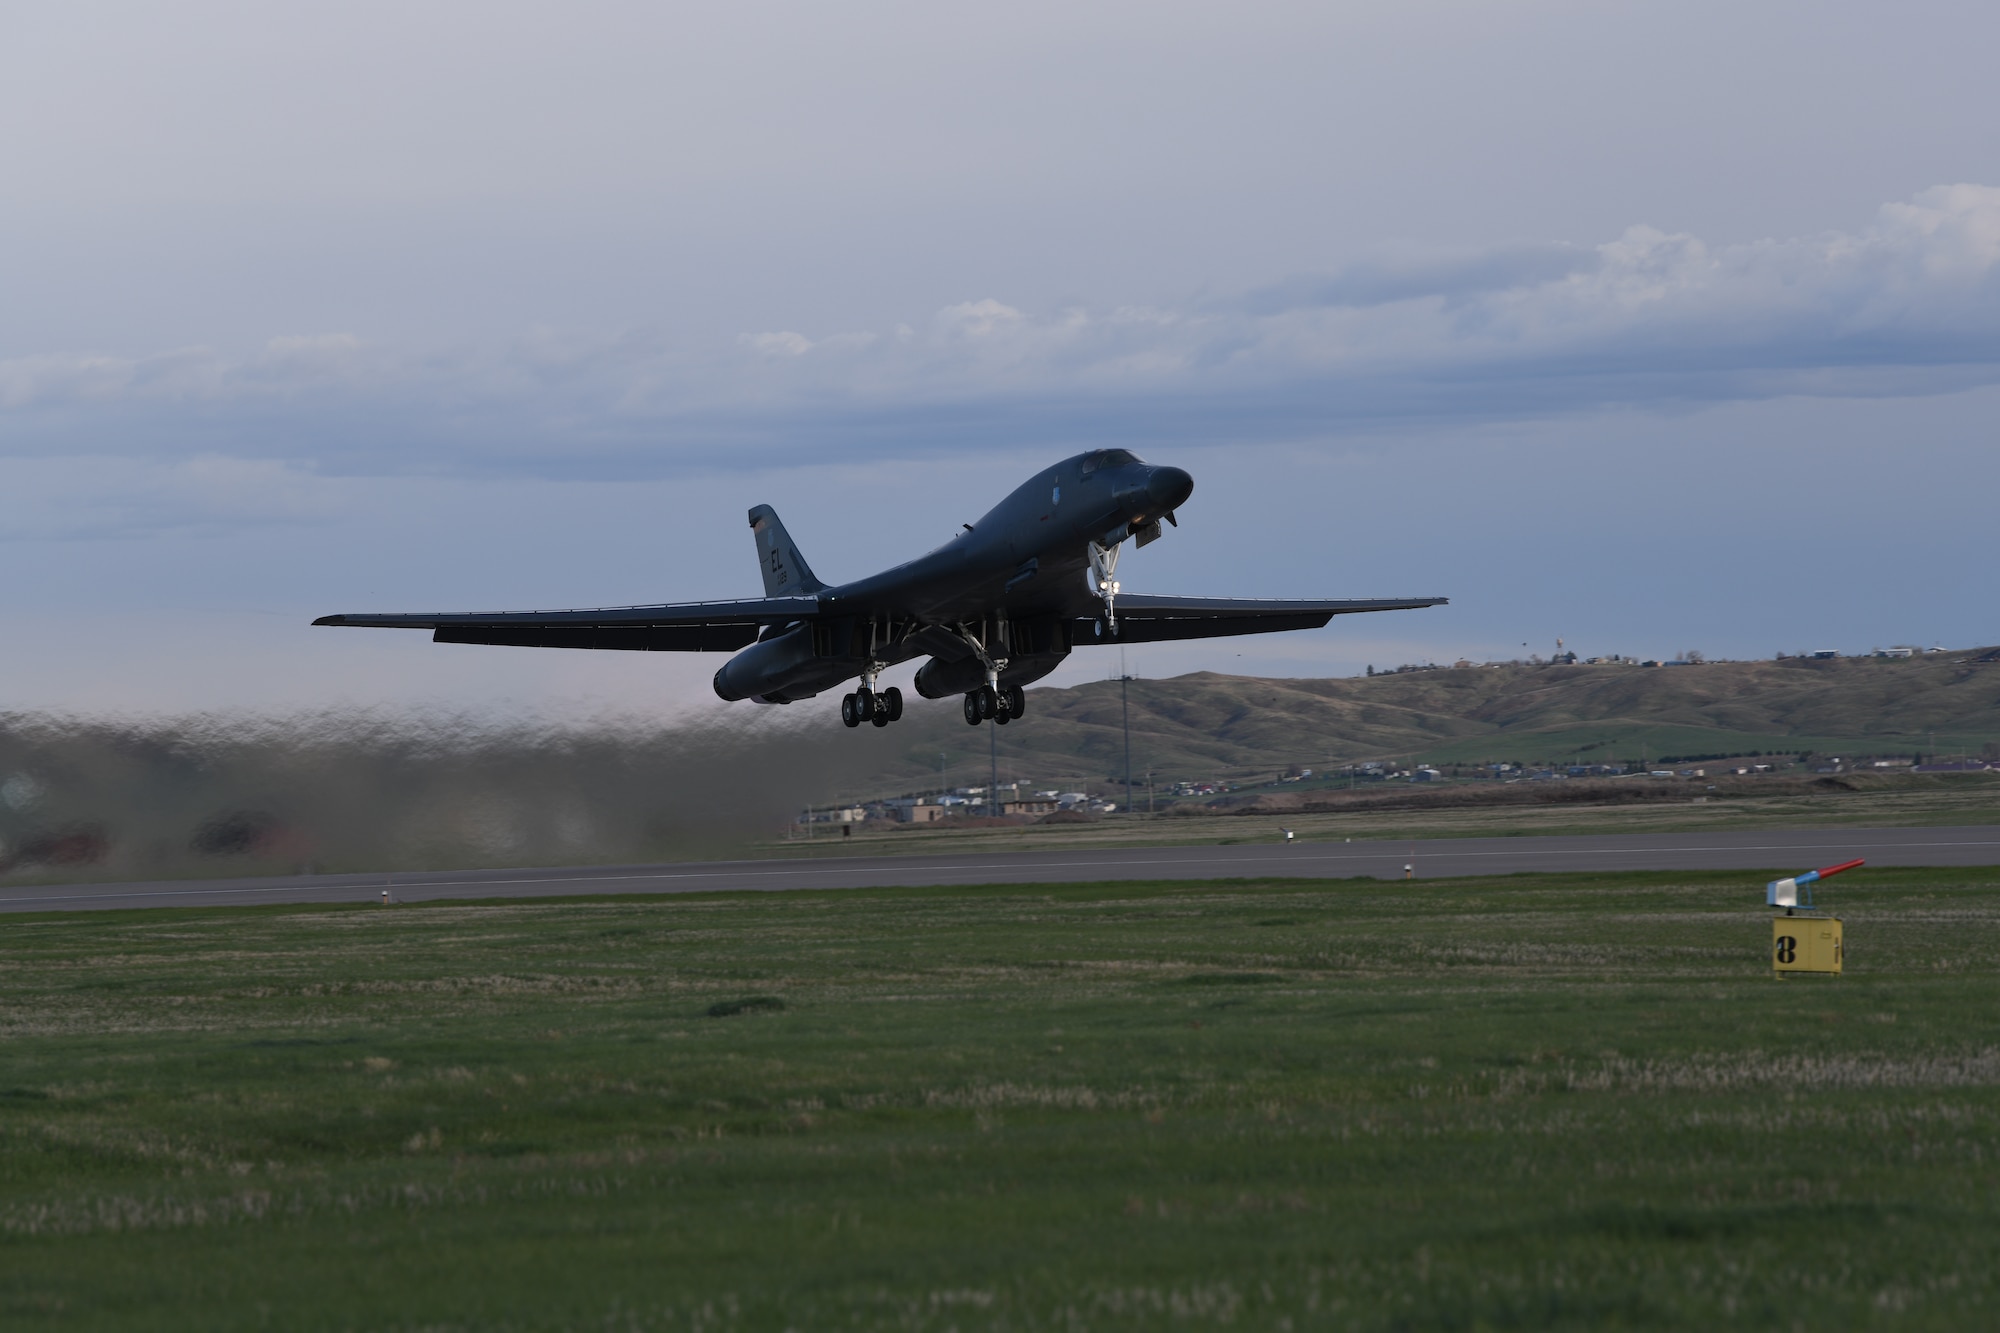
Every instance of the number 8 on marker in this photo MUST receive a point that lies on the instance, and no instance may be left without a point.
(1787, 948)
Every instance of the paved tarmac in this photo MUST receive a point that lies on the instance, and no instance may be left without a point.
(1758, 851)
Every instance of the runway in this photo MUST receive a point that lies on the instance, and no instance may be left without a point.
(1782, 851)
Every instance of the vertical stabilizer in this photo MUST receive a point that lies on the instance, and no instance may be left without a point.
(786, 573)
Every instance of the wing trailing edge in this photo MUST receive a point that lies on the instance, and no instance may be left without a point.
(751, 611)
(1148, 618)
(677, 627)
(1152, 606)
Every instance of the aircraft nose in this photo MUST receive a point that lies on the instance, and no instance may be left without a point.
(1169, 487)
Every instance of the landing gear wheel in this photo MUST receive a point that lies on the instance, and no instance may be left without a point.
(972, 718)
(1002, 717)
(864, 703)
(989, 703)
(850, 713)
(893, 699)
(881, 715)
(1017, 700)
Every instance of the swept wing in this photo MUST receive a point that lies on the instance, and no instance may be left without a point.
(687, 627)
(1144, 618)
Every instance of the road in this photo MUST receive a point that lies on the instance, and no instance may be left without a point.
(1751, 851)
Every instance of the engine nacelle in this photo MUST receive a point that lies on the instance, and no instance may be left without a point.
(939, 679)
(767, 668)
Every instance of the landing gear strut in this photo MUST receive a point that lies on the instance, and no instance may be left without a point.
(1103, 580)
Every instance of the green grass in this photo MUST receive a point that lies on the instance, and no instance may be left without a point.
(1538, 1101)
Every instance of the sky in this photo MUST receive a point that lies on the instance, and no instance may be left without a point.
(1649, 326)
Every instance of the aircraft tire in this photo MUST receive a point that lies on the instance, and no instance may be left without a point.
(972, 709)
(893, 699)
(1002, 717)
(864, 704)
(989, 703)
(850, 714)
(880, 717)
(1017, 700)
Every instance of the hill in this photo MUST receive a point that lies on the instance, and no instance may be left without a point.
(1208, 725)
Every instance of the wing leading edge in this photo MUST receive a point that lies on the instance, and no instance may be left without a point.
(727, 626)
(687, 627)
(1146, 618)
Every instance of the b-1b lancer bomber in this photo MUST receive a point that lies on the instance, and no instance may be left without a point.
(995, 608)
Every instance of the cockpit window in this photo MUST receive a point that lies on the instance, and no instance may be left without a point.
(1098, 458)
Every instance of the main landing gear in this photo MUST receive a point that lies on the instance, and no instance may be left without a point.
(865, 705)
(1002, 704)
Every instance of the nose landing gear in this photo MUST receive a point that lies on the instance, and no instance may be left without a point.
(1104, 581)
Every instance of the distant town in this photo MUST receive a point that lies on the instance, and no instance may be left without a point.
(1689, 657)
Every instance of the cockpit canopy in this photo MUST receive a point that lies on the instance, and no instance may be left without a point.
(1099, 458)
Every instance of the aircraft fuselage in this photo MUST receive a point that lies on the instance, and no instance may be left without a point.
(1012, 582)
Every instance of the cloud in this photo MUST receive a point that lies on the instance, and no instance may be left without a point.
(785, 343)
(1385, 282)
(1908, 305)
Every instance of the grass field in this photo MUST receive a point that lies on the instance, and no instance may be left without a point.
(1552, 1101)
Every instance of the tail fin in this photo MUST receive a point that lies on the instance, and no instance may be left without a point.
(786, 573)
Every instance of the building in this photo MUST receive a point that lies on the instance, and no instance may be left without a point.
(915, 810)
(840, 814)
(1030, 805)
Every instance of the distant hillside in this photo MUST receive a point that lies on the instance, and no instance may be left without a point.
(1209, 725)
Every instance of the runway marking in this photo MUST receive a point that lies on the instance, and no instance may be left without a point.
(1108, 861)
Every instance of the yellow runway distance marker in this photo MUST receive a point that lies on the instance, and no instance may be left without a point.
(1805, 944)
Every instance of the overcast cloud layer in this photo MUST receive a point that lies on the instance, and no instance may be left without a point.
(1645, 323)
(1910, 305)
